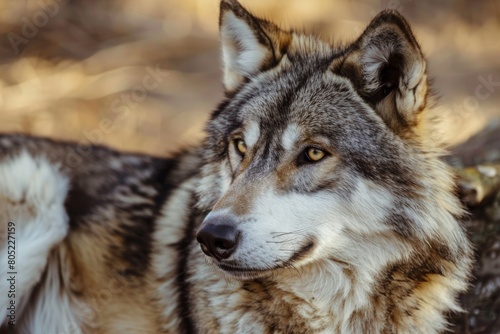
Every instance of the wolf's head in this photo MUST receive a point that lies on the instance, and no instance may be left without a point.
(323, 155)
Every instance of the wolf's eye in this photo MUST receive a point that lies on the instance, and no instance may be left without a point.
(314, 154)
(240, 146)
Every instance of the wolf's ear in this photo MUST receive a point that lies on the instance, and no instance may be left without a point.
(387, 67)
(249, 45)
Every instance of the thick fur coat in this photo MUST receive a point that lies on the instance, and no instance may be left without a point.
(317, 203)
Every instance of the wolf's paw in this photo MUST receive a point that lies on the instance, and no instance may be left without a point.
(32, 194)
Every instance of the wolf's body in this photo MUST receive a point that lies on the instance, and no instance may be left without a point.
(318, 198)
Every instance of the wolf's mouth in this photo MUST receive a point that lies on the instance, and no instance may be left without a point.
(251, 273)
(301, 253)
(245, 273)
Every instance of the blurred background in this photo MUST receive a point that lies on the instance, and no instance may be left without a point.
(144, 75)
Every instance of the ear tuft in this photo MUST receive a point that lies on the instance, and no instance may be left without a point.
(249, 45)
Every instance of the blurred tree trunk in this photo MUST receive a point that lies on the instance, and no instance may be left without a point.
(478, 166)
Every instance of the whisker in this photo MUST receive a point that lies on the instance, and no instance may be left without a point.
(282, 241)
(299, 231)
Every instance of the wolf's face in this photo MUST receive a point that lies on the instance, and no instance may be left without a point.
(316, 149)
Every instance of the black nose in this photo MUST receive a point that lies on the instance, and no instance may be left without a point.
(218, 240)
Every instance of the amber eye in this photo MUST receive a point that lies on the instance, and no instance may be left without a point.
(240, 146)
(314, 154)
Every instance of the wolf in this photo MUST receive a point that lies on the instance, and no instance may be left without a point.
(317, 203)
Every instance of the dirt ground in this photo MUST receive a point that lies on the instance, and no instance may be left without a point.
(75, 70)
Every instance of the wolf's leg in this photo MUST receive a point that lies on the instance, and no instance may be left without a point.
(32, 222)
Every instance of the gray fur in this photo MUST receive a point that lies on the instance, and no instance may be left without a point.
(365, 240)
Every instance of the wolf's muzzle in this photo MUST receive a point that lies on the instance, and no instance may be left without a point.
(218, 238)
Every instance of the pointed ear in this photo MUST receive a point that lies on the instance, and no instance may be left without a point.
(387, 67)
(249, 45)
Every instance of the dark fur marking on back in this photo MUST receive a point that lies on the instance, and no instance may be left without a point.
(79, 204)
(137, 237)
